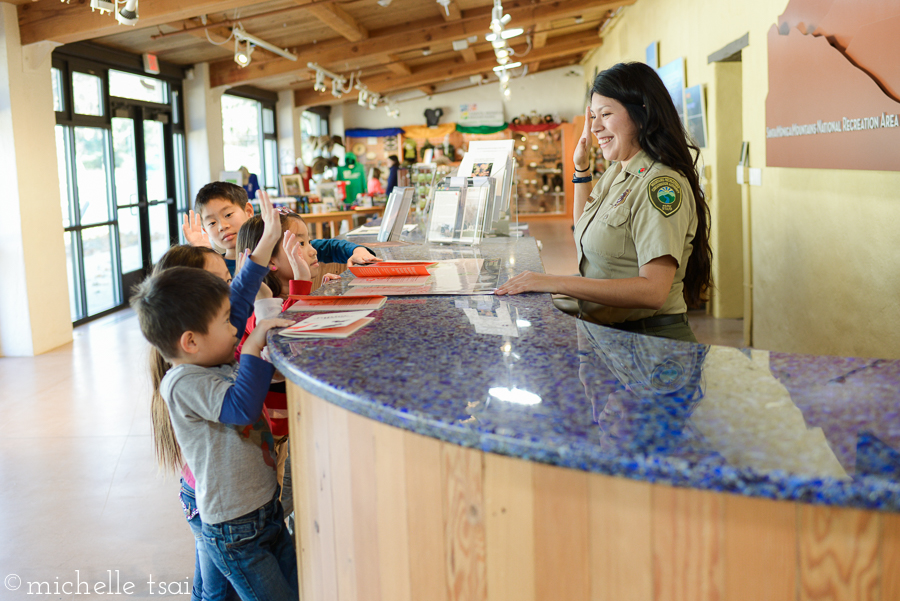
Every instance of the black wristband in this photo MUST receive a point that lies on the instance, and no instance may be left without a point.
(577, 170)
(582, 180)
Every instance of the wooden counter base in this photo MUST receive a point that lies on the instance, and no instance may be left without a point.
(384, 514)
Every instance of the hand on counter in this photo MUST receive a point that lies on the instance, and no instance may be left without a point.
(362, 256)
(527, 281)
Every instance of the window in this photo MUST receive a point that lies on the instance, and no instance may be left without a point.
(312, 125)
(137, 87)
(248, 130)
(88, 94)
(119, 153)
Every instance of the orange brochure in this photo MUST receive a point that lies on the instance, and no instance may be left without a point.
(336, 303)
(392, 268)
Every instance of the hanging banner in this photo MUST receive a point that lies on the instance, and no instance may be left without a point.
(481, 129)
(834, 88)
(423, 132)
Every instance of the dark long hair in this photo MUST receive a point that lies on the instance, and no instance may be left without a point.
(251, 233)
(662, 136)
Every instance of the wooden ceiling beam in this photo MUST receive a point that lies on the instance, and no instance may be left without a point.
(414, 36)
(338, 19)
(68, 23)
(452, 12)
(395, 65)
(469, 54)
(540, 39)
(388, 83)
(427, 90)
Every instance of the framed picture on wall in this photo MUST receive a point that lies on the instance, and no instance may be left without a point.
(673, 76)
(695, 113)
(292, 185)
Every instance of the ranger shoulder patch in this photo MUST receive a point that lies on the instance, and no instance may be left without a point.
(665, 194)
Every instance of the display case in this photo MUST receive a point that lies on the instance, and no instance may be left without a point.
(539, 185)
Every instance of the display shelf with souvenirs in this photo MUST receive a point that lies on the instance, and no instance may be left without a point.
(539, 155)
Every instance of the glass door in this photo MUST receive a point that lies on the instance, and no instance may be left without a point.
(145, 206)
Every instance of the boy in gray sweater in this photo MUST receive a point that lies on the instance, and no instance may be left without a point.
(215, 409)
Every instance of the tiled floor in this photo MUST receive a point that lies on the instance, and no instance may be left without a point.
(81, 499)
(80, 491)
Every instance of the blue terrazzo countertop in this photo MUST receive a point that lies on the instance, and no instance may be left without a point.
(515, 376)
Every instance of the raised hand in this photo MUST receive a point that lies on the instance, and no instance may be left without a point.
(293, 250)
(193, 230)
(582, 155)
(271, 230)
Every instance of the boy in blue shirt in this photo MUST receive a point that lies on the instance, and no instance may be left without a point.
(221, 208)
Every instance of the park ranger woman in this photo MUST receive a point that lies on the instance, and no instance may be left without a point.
(642, 232)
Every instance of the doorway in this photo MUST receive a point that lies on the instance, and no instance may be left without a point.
(145, 198)
(122, 173)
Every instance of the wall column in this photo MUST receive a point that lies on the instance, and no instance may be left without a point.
(203, 128)
(288, 121)
(725, 116)
(34, 297)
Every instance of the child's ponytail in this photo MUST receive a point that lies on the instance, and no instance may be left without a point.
(168, 453)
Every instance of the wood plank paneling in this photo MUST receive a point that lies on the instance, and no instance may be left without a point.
(342, 501)
(393, 529)
(687, 544)
(760, 549)
(839, 554)
(464, 523)
(509, 528)
(425, 500)
(890, 557)
(561, 527)
(621, 553)
(365, 507)
(301, 480)
(317, 428)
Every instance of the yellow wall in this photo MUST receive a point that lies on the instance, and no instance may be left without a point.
(825, 244)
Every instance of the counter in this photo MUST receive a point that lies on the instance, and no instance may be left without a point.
(494, 447)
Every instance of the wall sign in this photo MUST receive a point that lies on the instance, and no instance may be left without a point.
(834, 86)
(486, 112)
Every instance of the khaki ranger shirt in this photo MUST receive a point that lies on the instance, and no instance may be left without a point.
(632, 217)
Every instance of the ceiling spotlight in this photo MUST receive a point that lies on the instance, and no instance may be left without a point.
(127, 15)
(363, 98)
(104, 6)
(505, 34)
(446, 5)
(242, 52)
(384, 3)
(336, 90)
(319, 86)
(502, 53)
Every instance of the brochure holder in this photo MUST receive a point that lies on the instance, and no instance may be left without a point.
(395, 213)
(495, 159)
(459, 210)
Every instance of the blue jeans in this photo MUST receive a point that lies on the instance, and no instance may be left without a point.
(209, 583)
(256, 554)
